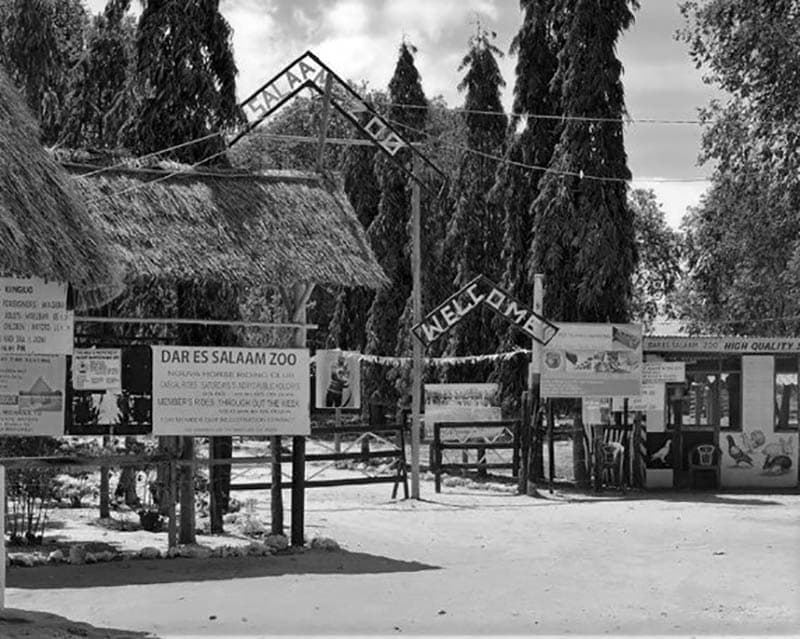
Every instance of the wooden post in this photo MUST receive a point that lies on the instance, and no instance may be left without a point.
(105, 508)
(323, 127)
(172, 486)
(551, 462)
(187, 527)
(300, 296)
(337, 424)
(534, 378)
(2, 537)
(525, 443)
(276, 491)
(214, 505)
(416, 384)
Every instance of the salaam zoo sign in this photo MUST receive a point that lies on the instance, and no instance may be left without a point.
(482, 291)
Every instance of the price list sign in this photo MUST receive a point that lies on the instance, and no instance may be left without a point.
(34, 317)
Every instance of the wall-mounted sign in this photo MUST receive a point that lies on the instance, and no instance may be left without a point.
(663, 372)
(201, 390)
(600, 360)
(338, 379)
(97, 369)
(32, 395)
(482, 292)
(743, 345)
(35, 318)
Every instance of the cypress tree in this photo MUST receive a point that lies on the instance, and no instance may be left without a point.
(531, 142)
(473, 240)
(188, 76)
(583, 238)
(407, 111)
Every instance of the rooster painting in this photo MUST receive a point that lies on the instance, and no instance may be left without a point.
(737, 454)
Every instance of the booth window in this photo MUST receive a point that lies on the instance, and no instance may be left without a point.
(711, 395)
(786, 383)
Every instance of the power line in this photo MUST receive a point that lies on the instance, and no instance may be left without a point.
(545, 169)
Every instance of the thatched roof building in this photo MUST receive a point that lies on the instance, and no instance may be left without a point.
(44, 229)
(279, 228)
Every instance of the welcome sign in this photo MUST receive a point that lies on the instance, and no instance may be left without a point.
(481, 291)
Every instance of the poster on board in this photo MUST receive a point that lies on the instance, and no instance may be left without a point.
(200, 390)
(32, 395)
(112, 392)
(461, 403)
(35, 317)
(599, 360)
(338, 379)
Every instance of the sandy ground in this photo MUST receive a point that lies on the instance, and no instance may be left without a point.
(463, 562)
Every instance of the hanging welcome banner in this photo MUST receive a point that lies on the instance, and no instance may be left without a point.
(481, 291)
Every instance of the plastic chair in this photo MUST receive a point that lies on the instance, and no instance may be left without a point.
(703, 458)
(610, 457)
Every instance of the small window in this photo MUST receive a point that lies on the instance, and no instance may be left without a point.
(786, 382)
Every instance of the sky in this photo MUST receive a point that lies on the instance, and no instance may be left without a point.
(359, 40)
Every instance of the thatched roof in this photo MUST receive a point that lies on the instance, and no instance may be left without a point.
(225, 226)
(44, 229)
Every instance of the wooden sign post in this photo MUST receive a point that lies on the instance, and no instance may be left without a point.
(416, 384)
(2, 536)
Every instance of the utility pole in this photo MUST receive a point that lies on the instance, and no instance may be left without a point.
(534, 383)
(416, 295)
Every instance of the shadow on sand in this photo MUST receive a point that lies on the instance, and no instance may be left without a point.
(16, 623)
(143, 571)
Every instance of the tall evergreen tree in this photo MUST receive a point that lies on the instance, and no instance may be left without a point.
(583, 239)
(188, 76)
(473, 243)
(408, 111)
(531, 142)
(41, 41)
(101, 101)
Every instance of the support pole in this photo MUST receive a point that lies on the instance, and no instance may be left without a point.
(534, 381)
(323, 127)
(551, 462)
(105, 508)
(276, 492)
(187, 526)
(416, 386)
(302, 293)
(2, 536)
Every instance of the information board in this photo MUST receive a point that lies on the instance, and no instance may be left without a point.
(600, 360)
(230, 391)
(35, 318)
(32, 395)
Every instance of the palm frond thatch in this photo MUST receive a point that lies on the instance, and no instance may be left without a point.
(44, 229)
(278, 228)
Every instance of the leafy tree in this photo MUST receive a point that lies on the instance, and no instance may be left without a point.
(408, 111)
(472, 242)
(41, 41)
(742, 252)
(659, 249)
(583, 237)
(531, 141)
(186, 68)
(102, 98)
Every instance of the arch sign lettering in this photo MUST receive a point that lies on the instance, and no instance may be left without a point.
(482, 291)
(309, 72)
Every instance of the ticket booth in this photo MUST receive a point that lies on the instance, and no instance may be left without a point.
(732, 421)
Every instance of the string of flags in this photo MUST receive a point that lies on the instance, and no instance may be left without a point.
(384, 360)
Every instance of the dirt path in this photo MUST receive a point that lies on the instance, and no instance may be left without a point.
(468, 562)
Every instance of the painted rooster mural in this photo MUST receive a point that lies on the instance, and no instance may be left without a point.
(737, 454)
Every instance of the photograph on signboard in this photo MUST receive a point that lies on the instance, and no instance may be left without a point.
(32, 390)
(338, 379)
(207, 391)
(111, 392)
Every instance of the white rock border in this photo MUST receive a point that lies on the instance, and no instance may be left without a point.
(272, 544)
